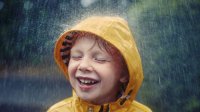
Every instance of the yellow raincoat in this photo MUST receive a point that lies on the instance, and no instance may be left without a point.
(115, 30)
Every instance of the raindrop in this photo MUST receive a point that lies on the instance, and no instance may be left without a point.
(28, 5)
(1, 5)
(86, 3)
(124, 3)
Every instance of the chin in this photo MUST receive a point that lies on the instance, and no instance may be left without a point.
(88, 98)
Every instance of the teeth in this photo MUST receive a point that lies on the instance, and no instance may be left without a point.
(87, 81)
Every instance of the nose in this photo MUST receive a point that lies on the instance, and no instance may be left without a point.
(85, 65)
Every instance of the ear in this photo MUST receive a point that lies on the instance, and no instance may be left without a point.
(124, 79)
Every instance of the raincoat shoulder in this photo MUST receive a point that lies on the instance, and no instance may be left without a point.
(138, 107)
(65, 105)
(68, 105)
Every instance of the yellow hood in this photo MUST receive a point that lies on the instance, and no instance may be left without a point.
(115, 30)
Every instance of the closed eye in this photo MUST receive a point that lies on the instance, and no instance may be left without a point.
(100, 60)
(74, 57)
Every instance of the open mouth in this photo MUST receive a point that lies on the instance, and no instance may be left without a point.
(87, 81)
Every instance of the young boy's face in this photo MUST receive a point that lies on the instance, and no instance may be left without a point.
(94, 74)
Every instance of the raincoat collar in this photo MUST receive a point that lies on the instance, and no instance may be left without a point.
(85, 106)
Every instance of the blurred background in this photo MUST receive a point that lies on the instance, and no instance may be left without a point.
(167, 33)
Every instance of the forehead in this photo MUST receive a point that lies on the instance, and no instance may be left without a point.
(82, 40)
(98, 44)
(87, 43)
(102, 44)
(96, 41)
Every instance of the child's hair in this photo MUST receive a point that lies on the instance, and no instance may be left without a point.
(101, 43)
(110, 49)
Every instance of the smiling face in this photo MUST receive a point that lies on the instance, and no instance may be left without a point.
(94, 74)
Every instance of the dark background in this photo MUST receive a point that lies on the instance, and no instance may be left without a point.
(167, 33)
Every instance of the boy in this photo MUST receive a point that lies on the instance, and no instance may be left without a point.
(100, 59)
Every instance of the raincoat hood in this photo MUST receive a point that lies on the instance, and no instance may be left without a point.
(114, 30)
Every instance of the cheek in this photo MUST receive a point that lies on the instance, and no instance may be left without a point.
(71, 73)
(72, 68)
(110, 72)
(116, 68)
